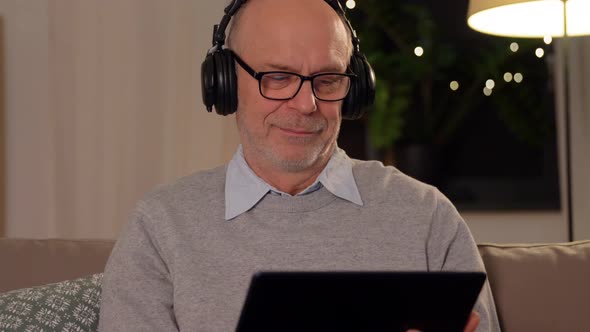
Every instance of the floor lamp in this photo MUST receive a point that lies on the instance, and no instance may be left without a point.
(537, 18)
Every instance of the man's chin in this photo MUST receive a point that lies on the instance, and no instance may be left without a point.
(296, 158)
(293, 163)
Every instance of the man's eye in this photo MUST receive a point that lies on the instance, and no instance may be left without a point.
(331, 79)
(328, 81)
(278, 81)
(279, 77)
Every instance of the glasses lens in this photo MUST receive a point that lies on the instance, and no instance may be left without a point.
(331, 86)
(279, 85)
(284, 85)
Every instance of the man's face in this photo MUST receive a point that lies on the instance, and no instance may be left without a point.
(300, 36)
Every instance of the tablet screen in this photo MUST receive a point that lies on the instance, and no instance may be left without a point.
(360, 301)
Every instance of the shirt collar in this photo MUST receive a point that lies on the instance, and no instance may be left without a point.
(243, 188)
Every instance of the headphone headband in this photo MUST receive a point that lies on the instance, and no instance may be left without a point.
(337, 6)
(219, 82)
(219, 29)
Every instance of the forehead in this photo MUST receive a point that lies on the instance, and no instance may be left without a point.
(297, 32)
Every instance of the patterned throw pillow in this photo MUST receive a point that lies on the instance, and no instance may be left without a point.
(68, 306)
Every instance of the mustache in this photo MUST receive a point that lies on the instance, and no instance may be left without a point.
(295, 122)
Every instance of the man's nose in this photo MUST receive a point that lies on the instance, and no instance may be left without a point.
(304, 101)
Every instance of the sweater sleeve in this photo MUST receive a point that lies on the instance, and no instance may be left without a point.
(137, 289)
(451, 247)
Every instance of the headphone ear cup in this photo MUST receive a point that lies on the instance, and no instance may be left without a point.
(350, 108)
(369, 85)
(232, 83)
(219, 82)
(208, 90)
(362, 88)
(227, 89)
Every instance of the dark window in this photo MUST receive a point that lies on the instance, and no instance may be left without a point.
(484, 152)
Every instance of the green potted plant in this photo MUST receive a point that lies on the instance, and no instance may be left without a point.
(428, 82)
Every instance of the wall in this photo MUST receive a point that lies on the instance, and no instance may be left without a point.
(29, 155)
(2, 138)
(580, 134)
(102, 104)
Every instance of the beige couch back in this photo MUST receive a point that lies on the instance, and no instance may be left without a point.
(26, 263)
(536, 287)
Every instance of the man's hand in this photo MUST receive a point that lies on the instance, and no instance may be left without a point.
(472, 322)
(471, 325)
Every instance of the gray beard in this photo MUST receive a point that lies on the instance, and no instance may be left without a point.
(296, 165)
(292, 165)
(289, 165)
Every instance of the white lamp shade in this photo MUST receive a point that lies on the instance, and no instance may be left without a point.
(529, 18)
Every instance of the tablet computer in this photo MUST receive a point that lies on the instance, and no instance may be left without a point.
(360, 301)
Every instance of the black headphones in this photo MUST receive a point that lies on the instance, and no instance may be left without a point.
(219, 82)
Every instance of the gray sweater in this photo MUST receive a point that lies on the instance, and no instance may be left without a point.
(178, 265)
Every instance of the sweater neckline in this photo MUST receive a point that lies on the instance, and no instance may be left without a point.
(296, 204)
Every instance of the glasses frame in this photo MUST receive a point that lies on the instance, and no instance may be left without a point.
(302, 78)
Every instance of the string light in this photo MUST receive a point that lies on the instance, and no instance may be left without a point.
(419, 51)
(490, 84)
(507, 77)
(539, 52)
(547, 39)
(514, 47)
(350, 4)
(518, 77)
(487, 92)
(454, 85)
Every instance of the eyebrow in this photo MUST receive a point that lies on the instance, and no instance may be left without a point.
(275, 66)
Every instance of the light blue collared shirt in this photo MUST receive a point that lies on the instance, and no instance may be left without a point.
(243, 188)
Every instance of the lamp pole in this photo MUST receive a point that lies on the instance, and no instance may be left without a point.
(568, 153)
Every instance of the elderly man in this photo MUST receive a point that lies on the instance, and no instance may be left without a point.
(289, 199)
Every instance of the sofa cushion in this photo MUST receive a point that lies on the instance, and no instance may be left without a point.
(68, 306)
(541, 287)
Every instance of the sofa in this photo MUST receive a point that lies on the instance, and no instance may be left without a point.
(54, 285)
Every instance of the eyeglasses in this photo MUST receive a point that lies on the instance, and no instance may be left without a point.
(283, 85)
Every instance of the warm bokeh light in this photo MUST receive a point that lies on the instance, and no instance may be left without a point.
(490, 84)
(507, 76)
(547, 40)
(526, 18)
(518, 77)
(539, 52)
(454, 85)
(419, 51)
(487, 92)
(350, 4)
(514, 47)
